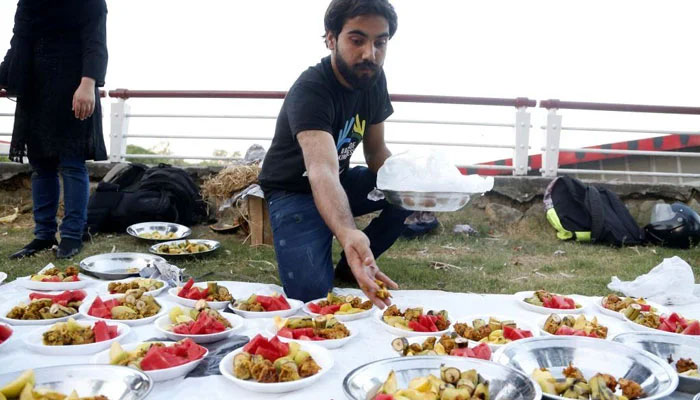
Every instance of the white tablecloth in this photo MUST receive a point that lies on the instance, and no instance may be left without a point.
(373, 343)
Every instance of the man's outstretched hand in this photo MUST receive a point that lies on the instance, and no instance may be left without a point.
(364, 267)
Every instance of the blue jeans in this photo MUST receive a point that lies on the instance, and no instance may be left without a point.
(45, 196)
(303, 241)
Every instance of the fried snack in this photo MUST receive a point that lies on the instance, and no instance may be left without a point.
(575, 386)
(135, 305)
(185, 247)
(56, 275)
(452, 384)
(157, 235)
(68, 333)
(383, 292)
(685, 364)
(138, 283)
(42, 309)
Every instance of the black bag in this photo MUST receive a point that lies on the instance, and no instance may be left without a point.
(190, 206)
(586, 213)
(126, 175)
(133, 193)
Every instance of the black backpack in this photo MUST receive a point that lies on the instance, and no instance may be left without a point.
(132, 193)
(585, 213)
(191, 209)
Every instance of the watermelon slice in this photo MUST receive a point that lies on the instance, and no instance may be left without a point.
(515, 333)
(331, 309)
(101, 331)
(417, 326)
(428, 322)
(314, 308)
(186, 289)
(299, 332)
(282, 348)
(268, 353)
(286, 333)
(383, 397)
(98, 309)
(482, 351)
(254, 343)
(167, 357)
(463, 352)
(564, 330)
(692, 329)
(5, 333)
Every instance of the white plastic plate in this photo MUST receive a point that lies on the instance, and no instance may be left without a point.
(157, 375)
(319, 354)
(34, 341)
(163, 324)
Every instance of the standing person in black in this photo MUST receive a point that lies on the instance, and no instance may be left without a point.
(56, 62)
(312, 192)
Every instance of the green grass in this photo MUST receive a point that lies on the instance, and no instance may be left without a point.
(500, 260)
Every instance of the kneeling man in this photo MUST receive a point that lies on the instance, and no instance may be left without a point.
(312, 192)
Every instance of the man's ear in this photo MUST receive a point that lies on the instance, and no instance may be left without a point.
(331, 40)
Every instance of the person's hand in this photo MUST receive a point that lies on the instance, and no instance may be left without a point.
(363, 266)
(84, 99)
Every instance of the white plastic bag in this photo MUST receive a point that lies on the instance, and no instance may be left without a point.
(672, 282)
(417, 171)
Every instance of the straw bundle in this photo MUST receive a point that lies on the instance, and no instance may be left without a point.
(230, 180)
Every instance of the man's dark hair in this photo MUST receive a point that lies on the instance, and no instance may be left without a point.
(339, 11)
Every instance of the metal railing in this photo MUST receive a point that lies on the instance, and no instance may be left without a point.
(121, 113)
(552, 149)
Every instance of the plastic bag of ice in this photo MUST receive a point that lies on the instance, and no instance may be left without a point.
(417, 171)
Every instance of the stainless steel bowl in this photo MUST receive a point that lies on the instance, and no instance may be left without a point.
(180, 231)
(591, 356)
(427, 201)
(117, 265)
(665, 345)
(114, 382)
(213, 246)
(504, 383)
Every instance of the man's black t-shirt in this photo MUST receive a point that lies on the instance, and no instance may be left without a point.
(317, 101)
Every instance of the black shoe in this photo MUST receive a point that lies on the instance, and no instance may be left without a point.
(69, 247)
(34, 247)
(343, 273)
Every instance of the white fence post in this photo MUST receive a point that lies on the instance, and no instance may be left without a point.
(522, 141)
(119, 128)
(550, 158)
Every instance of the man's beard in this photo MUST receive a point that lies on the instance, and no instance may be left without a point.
(359, 80)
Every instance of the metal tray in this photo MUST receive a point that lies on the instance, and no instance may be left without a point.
(591, 356)
(213, 246)
(665, 345)
(117, 265)
(504, 383)
(114, 382)
(427, 201)
(180, 231)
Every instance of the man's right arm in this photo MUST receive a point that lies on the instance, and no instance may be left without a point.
(322, 169)
(321, 161)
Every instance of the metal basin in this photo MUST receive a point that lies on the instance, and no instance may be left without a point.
(664, 345)
(591, 356)
(504, 383)
(427, 201)
(117, 265)
(114, 382)
(164, 228)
